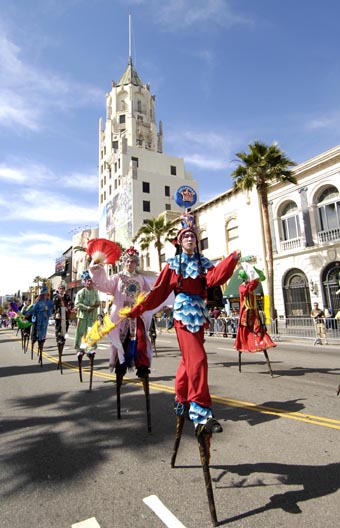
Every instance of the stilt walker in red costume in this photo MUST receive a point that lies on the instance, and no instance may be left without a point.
(189, 274)
(251, 335)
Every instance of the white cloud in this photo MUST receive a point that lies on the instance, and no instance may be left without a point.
(27, 255)
(25, 171)
(26, 91)
(15, 110)
(204, 150)
(323, 122)
(175, 15)
(80, 180)
(44, 206)
(18, 274)
(14, 175)
(206, 163)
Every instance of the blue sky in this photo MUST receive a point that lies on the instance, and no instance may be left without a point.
(224, 72)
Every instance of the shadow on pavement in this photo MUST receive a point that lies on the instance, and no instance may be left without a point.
(316, 481)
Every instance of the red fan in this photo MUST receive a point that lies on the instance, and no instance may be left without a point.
(103, 251)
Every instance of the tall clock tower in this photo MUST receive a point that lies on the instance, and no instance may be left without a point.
(137, 181)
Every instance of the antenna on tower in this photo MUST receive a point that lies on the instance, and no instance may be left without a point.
(130, 53)
(130, 41)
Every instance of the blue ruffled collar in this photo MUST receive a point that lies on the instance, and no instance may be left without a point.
(190, 266)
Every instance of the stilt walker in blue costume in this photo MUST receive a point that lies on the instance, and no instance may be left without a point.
(40, 311)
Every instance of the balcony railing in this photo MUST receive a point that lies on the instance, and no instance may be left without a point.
(329, 236)
(291, 245)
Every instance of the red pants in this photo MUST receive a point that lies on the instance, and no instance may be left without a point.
(142, 359)
(192, 374)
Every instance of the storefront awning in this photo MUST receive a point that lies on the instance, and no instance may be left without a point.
(231, 291)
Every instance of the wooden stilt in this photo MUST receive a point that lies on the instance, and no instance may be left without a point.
(268, 362)
(204, 449)
(91, 358)
(80, 359)
(60, 353)
(26, 340)
(32, 348)
(203, 438)
(119, 381)
(153, 344)
(179, 429)
(40, 351)
(338, 391)
(145, 381)
(239, 360)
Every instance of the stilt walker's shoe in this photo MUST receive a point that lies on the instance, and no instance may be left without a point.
(142, 372)
(212, 426)
(181, 409)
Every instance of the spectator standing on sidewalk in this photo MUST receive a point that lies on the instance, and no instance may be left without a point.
(318, 316)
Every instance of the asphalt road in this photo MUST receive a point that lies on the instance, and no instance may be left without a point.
(66, 459)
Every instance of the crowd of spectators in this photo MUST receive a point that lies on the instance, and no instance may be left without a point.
(223, 323)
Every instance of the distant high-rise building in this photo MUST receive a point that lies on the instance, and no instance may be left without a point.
(137, 181)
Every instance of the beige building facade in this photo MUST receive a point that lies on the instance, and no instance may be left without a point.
(305, 224)
(306, 237)
(137, 180)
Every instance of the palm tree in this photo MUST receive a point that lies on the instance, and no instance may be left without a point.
(155, 230)
(262, 166)
(37, 280)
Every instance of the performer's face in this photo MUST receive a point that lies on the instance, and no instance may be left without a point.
(130, 265)
(188, 242)
(61, 290)
(88, 283)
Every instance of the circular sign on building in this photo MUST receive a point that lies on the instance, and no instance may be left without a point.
(185, 196)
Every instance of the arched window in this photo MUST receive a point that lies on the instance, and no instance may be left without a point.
(290, 221)
(296, 294)
(232, 235)
(331, 285)
(329, 212)
(203, 240)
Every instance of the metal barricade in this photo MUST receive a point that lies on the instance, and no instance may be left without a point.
(290, 327)
(301, 328)
(162, 324)
(222, 327)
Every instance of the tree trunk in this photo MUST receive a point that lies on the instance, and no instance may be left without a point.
(159, 252)
(159, 259)
(269, 253)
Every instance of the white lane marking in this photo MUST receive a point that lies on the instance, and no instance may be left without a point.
(89, 523)
(162, 512)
